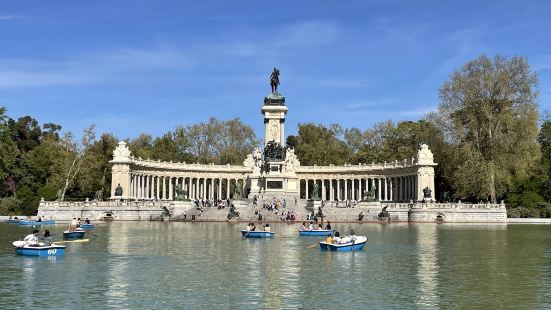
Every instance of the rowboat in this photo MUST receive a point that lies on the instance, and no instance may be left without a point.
(12, 221)
(36, 222)
(87, 226)
(22, 248)
(354, 245)
(76, 234)
(323, 232)
(257, 234)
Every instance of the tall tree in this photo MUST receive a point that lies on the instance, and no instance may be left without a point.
(488, 109)
(319, 145)
(8, 149)
(26, 133)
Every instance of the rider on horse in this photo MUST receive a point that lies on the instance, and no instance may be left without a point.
(274, 80)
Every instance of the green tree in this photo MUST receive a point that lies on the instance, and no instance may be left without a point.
(25, 132)
(319, 145)
(8, 149)
(488, 111)
(95, 173)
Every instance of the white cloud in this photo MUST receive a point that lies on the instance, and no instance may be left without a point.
(10, 17)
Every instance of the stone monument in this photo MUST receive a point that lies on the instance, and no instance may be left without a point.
(273, 168)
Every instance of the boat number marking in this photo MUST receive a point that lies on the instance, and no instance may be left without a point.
(52, 251)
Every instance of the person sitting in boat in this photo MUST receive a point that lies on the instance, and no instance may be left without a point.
(253, 228)
(79, 222)
(47, 237)
(311, 226)
(87, 221)
(267, 227)
(73, 225)
(337, 238)
(320, 227)
(303, 226)
(248, 227)
(329, 239)
(39, 219)
(328, 226)
(352, 235)
(32, 239)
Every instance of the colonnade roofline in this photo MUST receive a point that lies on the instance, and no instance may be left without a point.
(185, 167)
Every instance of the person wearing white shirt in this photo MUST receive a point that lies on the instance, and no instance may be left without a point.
(311, 226)
(32, 239)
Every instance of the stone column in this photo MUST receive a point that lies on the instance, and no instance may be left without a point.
(323, 196)
(391, 188)
(385, 197)
(228, 182)
(360, 189)
(352, 194)
(211, 192)
(219, 189)
(379, 189)
(338, 190)
(306, 189)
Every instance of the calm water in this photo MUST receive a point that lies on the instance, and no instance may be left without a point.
(209, 266)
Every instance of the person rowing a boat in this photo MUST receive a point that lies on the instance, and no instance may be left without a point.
(73, 225)
(311, 226)
(32, 239)
(267, 227)
(87, 221)
(303, 226)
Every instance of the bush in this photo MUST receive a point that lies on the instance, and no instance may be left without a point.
(540, 210)
(47, 192)
(10, 206)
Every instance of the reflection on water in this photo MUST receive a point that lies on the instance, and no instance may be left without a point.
(209, 266)
(427, 270)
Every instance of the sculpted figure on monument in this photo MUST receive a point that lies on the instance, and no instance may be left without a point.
(118, 190)
(316, 191)
(427, 193)
(274, 80)
(274, 151)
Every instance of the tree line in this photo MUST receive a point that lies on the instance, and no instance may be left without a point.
(486, 135)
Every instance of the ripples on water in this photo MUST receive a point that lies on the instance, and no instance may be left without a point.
(209, 266)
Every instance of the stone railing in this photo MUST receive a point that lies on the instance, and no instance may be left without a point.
(188, 167)
(358, 167)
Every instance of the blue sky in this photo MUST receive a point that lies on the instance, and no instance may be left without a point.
(147, 66)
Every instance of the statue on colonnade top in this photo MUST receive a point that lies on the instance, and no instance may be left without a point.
(274, 80)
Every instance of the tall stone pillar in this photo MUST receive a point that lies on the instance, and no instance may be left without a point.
(306, 190)
(323, 196)
(228, 182)
(338, 190)
(164, 188)
(274, 112)
(379, 189)
(425, 172)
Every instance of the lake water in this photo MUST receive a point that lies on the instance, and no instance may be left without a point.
(152, 265)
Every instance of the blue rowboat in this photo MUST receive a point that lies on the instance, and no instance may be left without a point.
(87, 226)
(257, 234)
(315, 232)
(77, 234)
(356, 245)
(21, 248)
(12, 221)
(36, 223)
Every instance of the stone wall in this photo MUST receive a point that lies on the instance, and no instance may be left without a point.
(398, 212)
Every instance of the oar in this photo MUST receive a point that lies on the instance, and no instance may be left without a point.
(245, 235)
(313, 245)
(72, 241)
